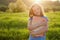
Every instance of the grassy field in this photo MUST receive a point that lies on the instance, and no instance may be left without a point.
(13, 26)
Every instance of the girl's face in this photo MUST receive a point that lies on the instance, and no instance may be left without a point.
(36, 10)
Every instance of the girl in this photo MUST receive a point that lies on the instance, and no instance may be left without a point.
(35, 21)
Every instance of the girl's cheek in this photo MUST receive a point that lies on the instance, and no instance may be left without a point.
(35, 13)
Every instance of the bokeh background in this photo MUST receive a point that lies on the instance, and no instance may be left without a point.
(14, 15)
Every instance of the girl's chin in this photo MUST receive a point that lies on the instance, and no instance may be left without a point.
(38, 15)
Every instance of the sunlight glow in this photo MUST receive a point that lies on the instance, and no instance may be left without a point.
(37, 1)
(53, 0)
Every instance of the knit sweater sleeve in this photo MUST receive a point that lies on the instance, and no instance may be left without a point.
(42, 29)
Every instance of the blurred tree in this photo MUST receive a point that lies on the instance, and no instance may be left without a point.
(12, 7)
(50, 5)
(4, 4)
(17, 6)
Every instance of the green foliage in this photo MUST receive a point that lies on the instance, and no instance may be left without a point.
(23, 34)
(3, 9)
(13, 20)
(13, 26)
(53, 34)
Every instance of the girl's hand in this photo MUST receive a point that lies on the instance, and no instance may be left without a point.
(31, 28)
(36, 35)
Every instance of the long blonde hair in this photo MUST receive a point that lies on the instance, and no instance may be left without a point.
(31, 13)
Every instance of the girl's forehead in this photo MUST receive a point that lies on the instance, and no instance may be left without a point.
(35, 6)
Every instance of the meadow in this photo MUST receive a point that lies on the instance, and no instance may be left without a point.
(13, 26)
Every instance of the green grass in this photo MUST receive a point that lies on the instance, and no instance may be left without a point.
(13, 20)
(13, 26)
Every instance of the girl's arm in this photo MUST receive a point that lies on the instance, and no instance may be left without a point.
(41, 29)
(44, 28)
(31, 27)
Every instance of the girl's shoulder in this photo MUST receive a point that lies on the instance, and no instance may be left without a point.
(30, 18)
(45, 18)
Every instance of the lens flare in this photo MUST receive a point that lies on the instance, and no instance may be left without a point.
(53, 0)
(37, 1)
